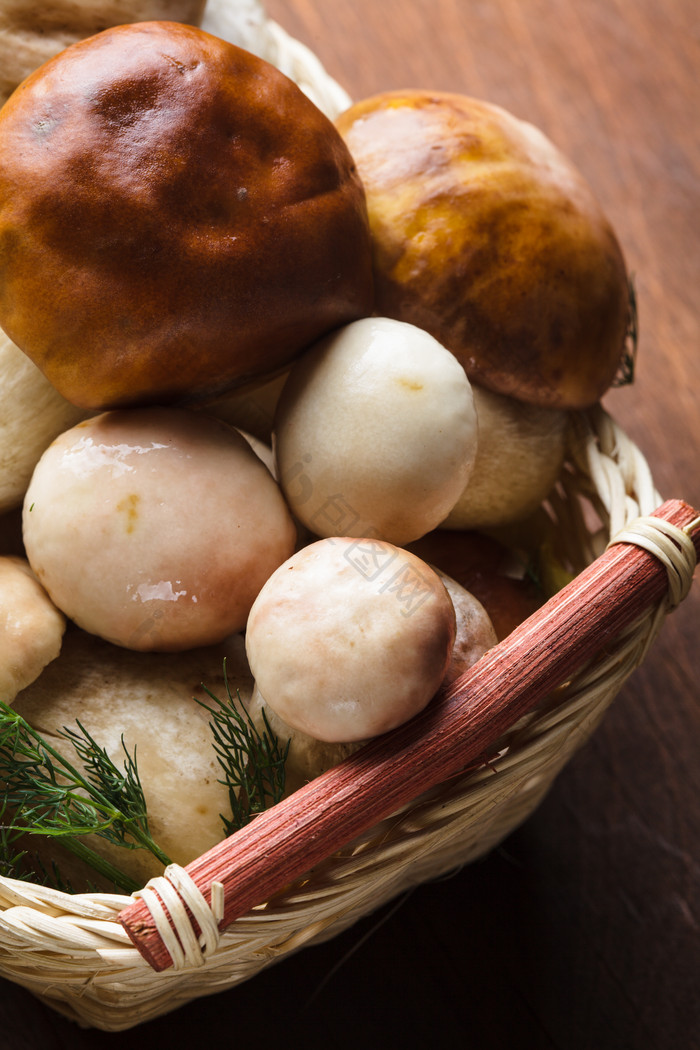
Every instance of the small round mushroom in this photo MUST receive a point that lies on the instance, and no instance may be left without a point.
(350, 638)
(31, 627)
(475, 633)
(155, 528)
(520, 453)
(375, 432)
(308, 756)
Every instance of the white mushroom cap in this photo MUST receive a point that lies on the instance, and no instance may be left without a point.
(32, 414)
(308, 757)
(519, 456)
(375, 432)
(155, 528)
(31, 627)
(350, 638)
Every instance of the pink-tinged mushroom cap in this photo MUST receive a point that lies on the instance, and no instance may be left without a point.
(349, 638)
(155, 528)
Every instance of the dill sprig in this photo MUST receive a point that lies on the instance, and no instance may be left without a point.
(48, 795)
(253, 763)
(42, 792)
(11, 858)
(23, 864)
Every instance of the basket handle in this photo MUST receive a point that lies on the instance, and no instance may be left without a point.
(178, 919)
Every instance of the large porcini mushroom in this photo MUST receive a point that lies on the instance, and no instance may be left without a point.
(375, 432)
(176, 217)
(142, 702)
(155, 528)
(349, 638)
(488, 237)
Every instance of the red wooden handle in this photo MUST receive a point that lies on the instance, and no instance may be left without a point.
(455, 730)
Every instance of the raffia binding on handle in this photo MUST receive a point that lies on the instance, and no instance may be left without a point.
(672, 546)
(184, 929)
(176, 903)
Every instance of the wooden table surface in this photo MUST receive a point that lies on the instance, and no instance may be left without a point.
(583, 930)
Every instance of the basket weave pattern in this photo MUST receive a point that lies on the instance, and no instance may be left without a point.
(71, 951)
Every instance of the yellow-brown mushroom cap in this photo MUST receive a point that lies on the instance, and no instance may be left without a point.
(487, 237)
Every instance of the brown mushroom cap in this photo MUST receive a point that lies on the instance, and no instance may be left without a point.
(176, 217)
(350, 638)
(487, 237)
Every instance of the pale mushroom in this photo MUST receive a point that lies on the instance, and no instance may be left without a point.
(148, 699)
(308, 756)
(375, 433)
(519, 456)
(31, 627)
(155, 528)
(350, 638)
(32, 414)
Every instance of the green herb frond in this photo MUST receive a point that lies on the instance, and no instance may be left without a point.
(44, 793)
(122, 790)
(48, 795)
(253, 762)
(23, 864)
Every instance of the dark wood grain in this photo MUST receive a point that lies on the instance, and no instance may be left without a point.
(583, 930)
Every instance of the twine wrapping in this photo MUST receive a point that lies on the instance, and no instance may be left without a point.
(175, 894)
(672, 546)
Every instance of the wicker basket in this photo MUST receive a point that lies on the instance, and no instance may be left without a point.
(71, 951)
